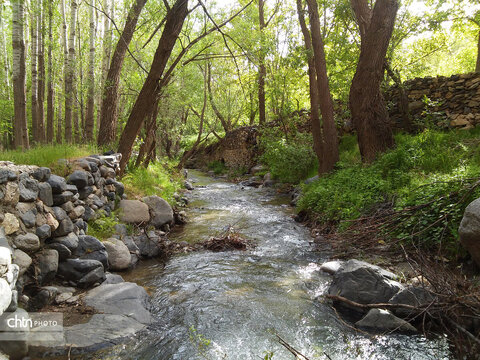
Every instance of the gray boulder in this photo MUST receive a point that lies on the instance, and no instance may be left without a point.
(64, 228)
(44, 232)
(134, 212)
(45, 193)
(79, 269)
(113, 279)
(118, 254)
(90, 247)
(161, 212)
(28, 242)
(384, 320)
(149, 246)
(46, 266)
(59, 199)
(331, 267)
(414, 296)
(22, 259)
(5, 295)
(469, 231)
(70, 241)
(79, 178)
(29, 218)
(28, 190)
(63, 252)
(42, 174)
(57, 183)
(7, 175)
(364, 283)
(59, 213)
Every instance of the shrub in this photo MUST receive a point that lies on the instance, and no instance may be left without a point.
(103, 227)
(217, 167)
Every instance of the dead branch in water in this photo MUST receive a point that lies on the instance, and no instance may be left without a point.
(230, 239)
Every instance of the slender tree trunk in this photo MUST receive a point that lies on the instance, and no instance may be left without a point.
(369, 113)
(69, 79)
(477, 65)
(150, 128)
(59, 121)
(50, 93)
(33, 70)
(6, 64)
(329, 139)
(78, 118)
(143, 106)
(225, 124)
(109, 112)
(90, 120)
(20, 128)
(41, 74)
(65, 69)
(107, 44)
(262, 70)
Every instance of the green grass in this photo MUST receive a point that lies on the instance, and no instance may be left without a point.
(48, 155)
(423, 168)
(158, 179)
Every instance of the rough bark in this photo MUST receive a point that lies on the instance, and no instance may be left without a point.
(143, 106)
(41, 75)
(328, 141)
(33, 70)
(89, 119)
(6, 63)
(262, 70)
(109, 111)
(50, 93)
(369, 113)
(58, 137)
(150, 131)
(70, 74)
(18, 65)
(477, 65)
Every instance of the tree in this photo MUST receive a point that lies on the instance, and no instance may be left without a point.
(324, 132)
(143, 106)
(89, 120)
(109, 111)
(41, 75)
(367, 106)
(33, 69)
(50, 93)
(70, 74)
(262, 71)
(19, 97)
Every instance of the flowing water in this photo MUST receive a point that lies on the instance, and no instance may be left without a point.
(229, 305)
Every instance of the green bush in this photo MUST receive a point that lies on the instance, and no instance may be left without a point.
(217, 167)
(103, 227)
(289, 160)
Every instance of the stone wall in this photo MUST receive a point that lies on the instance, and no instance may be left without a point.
(455, 100)
(43, 225)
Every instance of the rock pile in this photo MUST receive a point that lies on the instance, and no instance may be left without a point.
(458, 96)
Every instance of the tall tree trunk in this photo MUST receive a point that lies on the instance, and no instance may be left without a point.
(65, 69)
(41, 74)
(20, 128)
(225, 123)
(58, 137)
(33, 70)
(6, 64)
(369, 113)
(50, 93)
(109, 112)
(90, 120)
(69, 79)
(143, 106)
(262, 70)
(477, 65)
(329, 139)
(107, 44)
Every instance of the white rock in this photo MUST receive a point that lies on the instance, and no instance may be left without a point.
(331, 267)
(5, 295)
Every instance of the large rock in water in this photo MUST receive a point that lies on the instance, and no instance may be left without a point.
(364, 283)
(133, 212)
(414, 296)
(384, 320)
(469, 231)
(161, 212)
(118, 254)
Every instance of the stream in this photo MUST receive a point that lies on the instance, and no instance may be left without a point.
(229, 305)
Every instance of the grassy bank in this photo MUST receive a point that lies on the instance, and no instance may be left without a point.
(426, 182)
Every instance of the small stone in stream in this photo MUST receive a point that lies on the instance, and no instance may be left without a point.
(118, 254)
(113, 279)
(42, 174)
(57, 183)
(188, 185)
(44, 232)
(384, 320)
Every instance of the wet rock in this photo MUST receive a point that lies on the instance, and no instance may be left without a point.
(113, 279)
(41, 174)
(188, 185)
(118, 254)
(28, 242)
(64, 228)
(96, 276)
(57, 183)
(90, 247)
(331, 267)
(79, 178)
(363, 283)
(45, 193)
(70, 241)
(134, 212)
(148, 246)
(469, 230)
(161, 212)
(10, 223)
(384, 320)
(22, 259)
(411, 295)
(63, 251)
(46, 265)
(181, 218)
(43, 232)
(28, 190)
